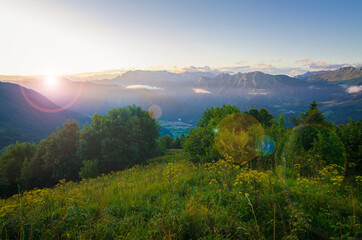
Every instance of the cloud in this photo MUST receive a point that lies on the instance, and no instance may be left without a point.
(241, 62)
(198, 69)
(260, 92)
(320, 65)
(156, 67)
(313, 87)
(354, 89)
(143, 87)
(304, 60)
(295, 72)
(263, 65)
(233, 69)
(202, 91)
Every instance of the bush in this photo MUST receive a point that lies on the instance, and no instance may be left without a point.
(199, 144)
(89, 169)
(123, 138)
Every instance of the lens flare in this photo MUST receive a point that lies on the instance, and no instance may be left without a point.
(51, 81)
(236, 135)
(155, 112)
(288, 159)
(265, 145)
(50, 110)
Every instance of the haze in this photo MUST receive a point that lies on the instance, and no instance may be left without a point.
(289, 37)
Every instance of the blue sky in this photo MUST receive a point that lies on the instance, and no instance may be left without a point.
(68, 36)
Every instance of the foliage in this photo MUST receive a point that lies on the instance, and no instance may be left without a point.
(310, 116)
(122, 138)
(167, 141)
(212, 116)
(262, 115)
(236, 136)
(199, 145)
(54, 159)
(350, 135)
(181, 200)
(308, 189)
(11, 163)
(90, 169)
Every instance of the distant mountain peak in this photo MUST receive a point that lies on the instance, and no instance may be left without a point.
(349, 75)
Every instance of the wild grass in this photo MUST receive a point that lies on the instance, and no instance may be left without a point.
(171, 198)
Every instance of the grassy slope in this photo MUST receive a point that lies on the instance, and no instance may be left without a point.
(173, 199)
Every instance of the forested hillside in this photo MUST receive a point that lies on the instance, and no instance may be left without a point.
(20, 121)
(240, 175)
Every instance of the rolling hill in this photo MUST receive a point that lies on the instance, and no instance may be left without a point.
(171, 198)
(20, 121)
(185, 95)
(345, 75)
(93, 98)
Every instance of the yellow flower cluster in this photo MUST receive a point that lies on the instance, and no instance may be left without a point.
(358, 179)
(307, 183)
(337, 180)
(332, 173)
(221, 166)
(174, 171)
(247, 176)
(213, 181)
(8, 209)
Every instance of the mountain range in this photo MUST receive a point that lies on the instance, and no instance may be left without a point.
(181, 97)
(346, 75)
(278, 93)
(19, 121)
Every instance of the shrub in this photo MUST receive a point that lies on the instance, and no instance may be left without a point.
(89, 169)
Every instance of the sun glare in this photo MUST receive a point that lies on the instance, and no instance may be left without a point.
(51, 81)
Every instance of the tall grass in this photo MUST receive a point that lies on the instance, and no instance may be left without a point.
(171, 198)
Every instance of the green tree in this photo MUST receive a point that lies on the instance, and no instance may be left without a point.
(182, 140)
(64, 162)
(90, 169)
(167, 141)
(199, 144)
(307, 125)
(11, 163)
(122, 138)
(310, 116)
(177, 143)
(262, 115)
(55, 158)
(280, 133)
(328, 146)
(350, 135)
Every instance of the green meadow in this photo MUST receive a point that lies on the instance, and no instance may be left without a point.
(172, 198)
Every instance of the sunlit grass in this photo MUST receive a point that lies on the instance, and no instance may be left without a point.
(172, 198)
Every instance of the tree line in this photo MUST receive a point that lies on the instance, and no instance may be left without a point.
(120, 139)
(310, 145)
(128, 136)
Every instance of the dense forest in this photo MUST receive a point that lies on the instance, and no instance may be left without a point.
(121, 139)
(239, 175)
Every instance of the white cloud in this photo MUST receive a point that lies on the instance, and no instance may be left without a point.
(241, 62)
(259, 92)
(202, 91)
(143, 87)
(197, 69)
(321, 65)
(354, 89)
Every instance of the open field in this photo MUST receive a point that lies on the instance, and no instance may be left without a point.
(172, 198)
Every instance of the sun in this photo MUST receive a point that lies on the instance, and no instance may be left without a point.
(51, 81)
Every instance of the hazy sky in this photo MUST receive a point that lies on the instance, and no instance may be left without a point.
(68, 36)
